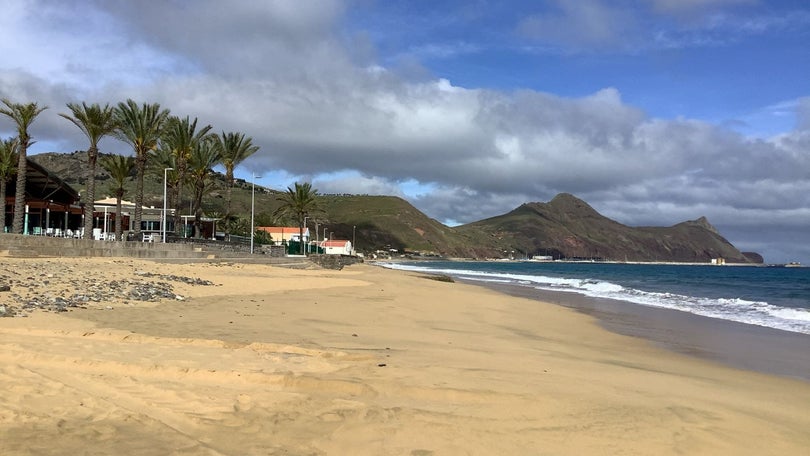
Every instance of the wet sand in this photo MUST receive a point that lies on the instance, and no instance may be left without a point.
(736, 344)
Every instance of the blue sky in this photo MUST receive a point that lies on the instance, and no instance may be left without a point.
(652, 111)
(712, 60)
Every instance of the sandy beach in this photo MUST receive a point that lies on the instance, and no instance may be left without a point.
(363, 361)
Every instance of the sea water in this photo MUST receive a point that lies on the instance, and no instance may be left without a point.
(772, 297)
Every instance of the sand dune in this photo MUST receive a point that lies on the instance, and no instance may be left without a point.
(364, 361)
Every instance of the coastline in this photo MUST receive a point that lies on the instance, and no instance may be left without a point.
(365, 360)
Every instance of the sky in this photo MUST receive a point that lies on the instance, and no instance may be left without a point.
(653, 111)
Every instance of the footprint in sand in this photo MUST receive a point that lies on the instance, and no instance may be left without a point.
(243, 403)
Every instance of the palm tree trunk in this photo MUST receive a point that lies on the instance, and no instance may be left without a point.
(301, 235)
(198, 193)
(178, 201)
(229, 178)
(197, 224)
(119, 219)
(90, 196)
(3, 199)
(140, 165)
(178, 219)
(19, 196)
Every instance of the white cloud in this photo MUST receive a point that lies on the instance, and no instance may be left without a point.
(803, 114)
(695, 6)
(642, 26)
(585, 23)
(356, 184)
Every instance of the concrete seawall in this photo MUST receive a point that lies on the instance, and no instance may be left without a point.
(15, 245)
(19, 246)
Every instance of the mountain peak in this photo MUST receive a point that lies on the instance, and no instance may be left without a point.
(703, 222)
(565, 198)
(570, 204)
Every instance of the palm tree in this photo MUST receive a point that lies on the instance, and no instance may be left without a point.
(204, 157)
(141, 127)
(233, 148)
(23, 116)
(180, 137)
(95, 122)
(8, 166)
(120, 168)
(298, 203)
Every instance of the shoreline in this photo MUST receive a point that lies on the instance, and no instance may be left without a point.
(745, 346)
(507, 260)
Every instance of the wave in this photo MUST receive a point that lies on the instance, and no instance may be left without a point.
(758, 313)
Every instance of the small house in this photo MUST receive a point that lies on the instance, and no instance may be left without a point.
(337, 247)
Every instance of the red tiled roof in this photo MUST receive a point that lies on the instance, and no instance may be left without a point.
(280, 229)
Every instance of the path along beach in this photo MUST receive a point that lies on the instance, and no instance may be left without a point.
(363, 361)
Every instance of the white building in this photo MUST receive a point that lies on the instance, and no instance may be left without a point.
(337, 247)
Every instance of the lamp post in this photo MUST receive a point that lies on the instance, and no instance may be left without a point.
(163, 221)
(252, 208)
(354, 230)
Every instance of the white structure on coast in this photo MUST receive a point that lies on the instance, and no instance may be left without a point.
(337, 247)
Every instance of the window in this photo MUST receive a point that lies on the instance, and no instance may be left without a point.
(150, 225)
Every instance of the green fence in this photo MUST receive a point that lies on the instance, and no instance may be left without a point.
(294, 248)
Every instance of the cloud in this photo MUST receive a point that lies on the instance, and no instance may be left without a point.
(213, 35)
(458, 204)
(643, 26)
(581, 24)
(356, 184)
(803, 114)
(682, 7)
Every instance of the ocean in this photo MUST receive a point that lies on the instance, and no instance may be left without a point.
(777, 298)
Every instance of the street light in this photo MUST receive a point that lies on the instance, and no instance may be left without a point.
(252, 210)
(354, 246)
(163, 222)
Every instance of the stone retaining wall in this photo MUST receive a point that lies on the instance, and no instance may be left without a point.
(334, 261)
(32, 246)
(19, 246)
